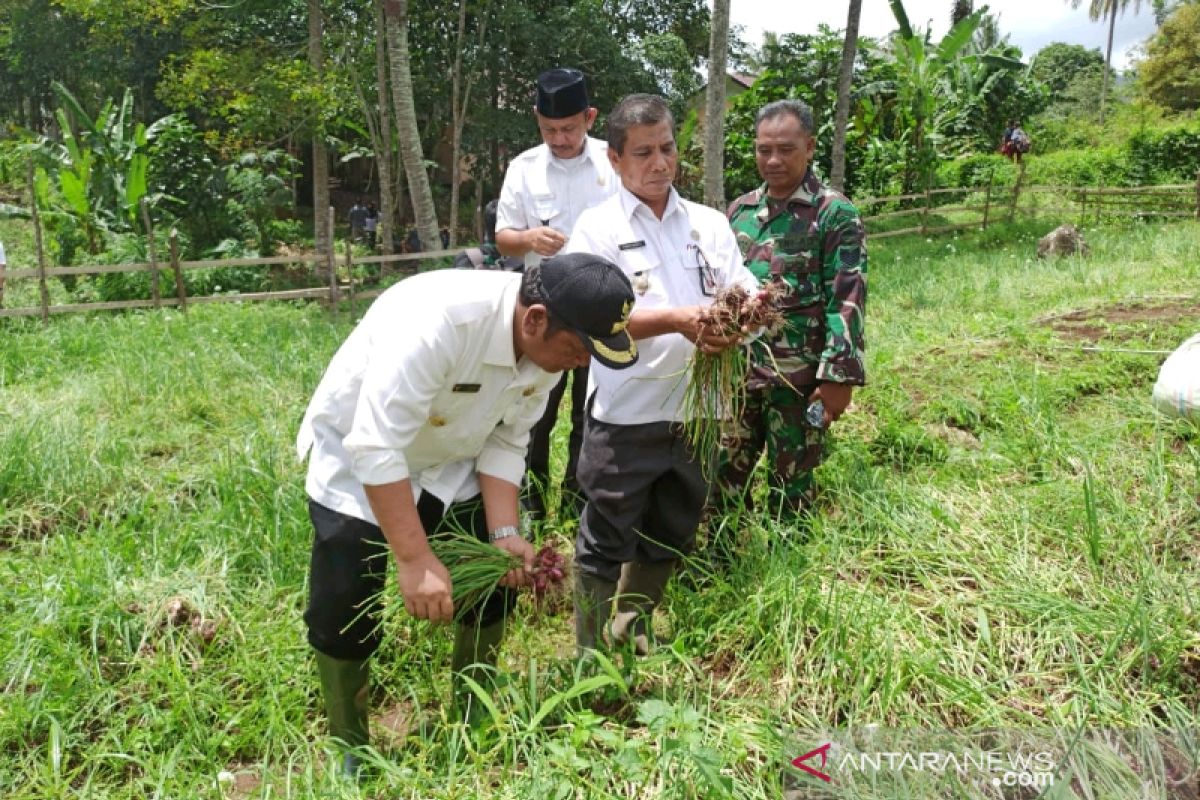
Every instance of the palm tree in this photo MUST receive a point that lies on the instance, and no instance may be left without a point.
(383, 154)
(841, 114)
(320, 157)
(714, 106)
(1098, 9)
(395, 14)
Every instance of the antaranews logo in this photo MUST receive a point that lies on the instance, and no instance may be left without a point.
(823, 752)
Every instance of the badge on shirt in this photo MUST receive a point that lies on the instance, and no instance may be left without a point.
(632, 245)
(467, 388)
(641, 284)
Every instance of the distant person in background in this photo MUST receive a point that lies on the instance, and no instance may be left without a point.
(370, 224)
(487, 255)
(1021, 143)
(1006, 139)
(358, 219)
(413, 243)
(444, 235)
(545, 190)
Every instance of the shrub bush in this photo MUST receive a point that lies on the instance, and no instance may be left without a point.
(977, 170)
(1169, 155)
(1108, 166)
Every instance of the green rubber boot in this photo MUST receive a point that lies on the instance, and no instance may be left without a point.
(593, 605)
(638, 592)
(344, 688)
(475, 654)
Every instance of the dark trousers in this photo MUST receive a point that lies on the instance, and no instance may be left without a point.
(645, 495)
(348, 572)
(538, 462)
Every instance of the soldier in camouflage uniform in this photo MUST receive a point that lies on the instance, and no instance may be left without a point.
(795, 231)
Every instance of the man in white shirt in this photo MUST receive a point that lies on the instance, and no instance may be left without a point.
(545, 190)
(419, 426)
(644, 488)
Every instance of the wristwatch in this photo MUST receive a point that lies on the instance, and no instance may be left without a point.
(503, 532)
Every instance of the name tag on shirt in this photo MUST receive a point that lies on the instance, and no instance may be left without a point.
(467, 388)
(631, 245)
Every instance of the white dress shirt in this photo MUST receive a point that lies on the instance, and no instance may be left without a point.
(663, 259)
(540, 189)
(427, 387)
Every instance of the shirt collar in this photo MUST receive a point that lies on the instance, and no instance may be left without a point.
(592, 149)
(630, 203)
(500, 347)
(807, 193)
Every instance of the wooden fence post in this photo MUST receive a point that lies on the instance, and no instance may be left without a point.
(331, 264)
(987, 199)
(1099, 200)
(154, 289)
(41, 249)
(180, 288)
(1016, 193)
(925, 210)
(1198, 195)
(350, 272)
(1083, 194)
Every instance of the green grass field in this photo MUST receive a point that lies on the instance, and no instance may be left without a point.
(1006, 548)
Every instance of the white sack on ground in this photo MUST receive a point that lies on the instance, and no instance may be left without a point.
(1177, 391)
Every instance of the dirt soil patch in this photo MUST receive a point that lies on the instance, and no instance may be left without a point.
(1094, 324)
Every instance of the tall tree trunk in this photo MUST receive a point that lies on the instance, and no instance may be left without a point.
(458, 111)
(460, 101)
(383, 149)
(396, 22)
(320, 167)
(714, 107)
(841, 115)
(1112, 25)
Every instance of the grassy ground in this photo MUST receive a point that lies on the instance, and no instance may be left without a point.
(1006, 549)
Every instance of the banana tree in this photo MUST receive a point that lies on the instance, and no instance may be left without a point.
(100, 167)
(924, 88)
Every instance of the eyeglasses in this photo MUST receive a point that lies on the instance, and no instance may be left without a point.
(704, 270)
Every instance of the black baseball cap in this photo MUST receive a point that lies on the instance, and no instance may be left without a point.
(594, 298)
(561, 93)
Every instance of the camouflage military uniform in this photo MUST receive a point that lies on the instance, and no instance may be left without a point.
(815, 244)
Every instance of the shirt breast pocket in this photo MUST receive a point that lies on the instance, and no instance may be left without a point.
(455, 410)
(643, 274)
(797, 259)
(699, 271)
(545, 208)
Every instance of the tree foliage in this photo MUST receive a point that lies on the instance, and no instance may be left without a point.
(1058, 64)
(1170, 74)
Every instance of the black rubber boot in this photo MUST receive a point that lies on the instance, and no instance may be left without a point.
(638, 592)
(476, 650)
(344, 688)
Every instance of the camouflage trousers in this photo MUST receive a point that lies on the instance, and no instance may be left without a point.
(772, 420)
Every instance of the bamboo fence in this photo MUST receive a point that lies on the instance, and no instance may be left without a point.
(1085, 203)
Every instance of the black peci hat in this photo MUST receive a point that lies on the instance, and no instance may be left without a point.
(561, 93)
(593, 297)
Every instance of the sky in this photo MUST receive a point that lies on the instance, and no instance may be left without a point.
(1030, 24)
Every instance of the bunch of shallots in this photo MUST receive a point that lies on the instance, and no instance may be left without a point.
(716, 382)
